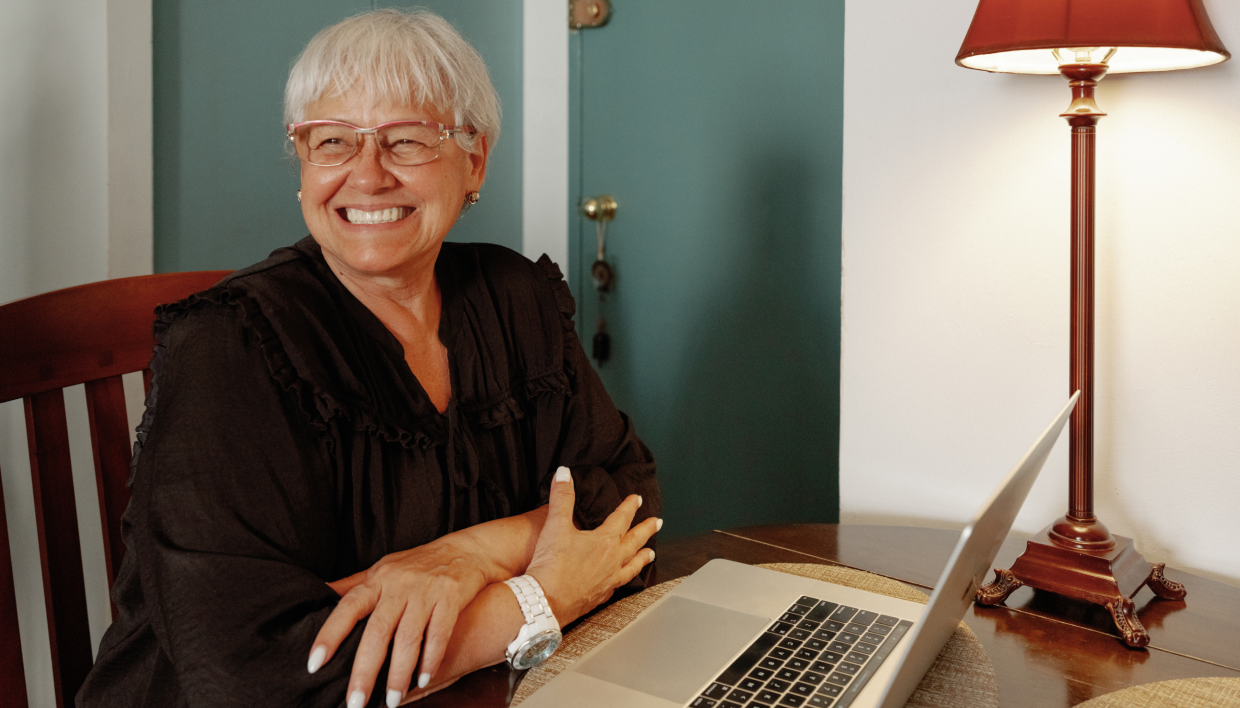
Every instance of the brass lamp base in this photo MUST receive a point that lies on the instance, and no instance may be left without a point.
(1109, 577)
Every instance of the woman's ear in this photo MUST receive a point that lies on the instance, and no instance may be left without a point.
(478, 163)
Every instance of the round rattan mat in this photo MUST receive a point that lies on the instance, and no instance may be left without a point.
(961, 676)
(1205, 692)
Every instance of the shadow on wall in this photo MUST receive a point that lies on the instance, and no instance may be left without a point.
(754, 435)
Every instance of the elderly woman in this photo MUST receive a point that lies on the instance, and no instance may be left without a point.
(351, 446)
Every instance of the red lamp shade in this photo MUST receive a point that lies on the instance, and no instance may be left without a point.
(1017, 36)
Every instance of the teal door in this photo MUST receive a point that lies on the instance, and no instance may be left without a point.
(717, 126)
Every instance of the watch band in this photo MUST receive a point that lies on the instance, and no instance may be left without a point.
(533, 602)
(540, 635)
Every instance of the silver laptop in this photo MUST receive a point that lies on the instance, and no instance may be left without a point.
(736, 636)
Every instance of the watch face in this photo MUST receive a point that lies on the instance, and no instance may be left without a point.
(536, 650)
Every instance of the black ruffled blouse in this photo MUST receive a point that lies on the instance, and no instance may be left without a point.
(286, 443)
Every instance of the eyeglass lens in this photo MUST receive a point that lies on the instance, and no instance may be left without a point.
(328, 144)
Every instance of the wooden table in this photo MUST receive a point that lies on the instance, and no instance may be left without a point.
(1047, 651)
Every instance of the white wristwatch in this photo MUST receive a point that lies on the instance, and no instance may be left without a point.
(540, 635)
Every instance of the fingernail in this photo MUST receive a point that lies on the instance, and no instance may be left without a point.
(561, 475)
(425, 679)
(393, 698)
(658, 525)
(639, 500)
(651, 556)
(357, 699)
(316, 659)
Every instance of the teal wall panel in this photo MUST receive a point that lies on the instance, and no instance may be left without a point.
(719, 131)
(224, 184)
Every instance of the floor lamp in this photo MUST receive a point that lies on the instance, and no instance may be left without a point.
(1084, 40)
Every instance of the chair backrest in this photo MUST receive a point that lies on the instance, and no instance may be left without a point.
(90, 334)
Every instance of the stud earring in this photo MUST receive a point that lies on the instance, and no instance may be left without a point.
(472, 197)
(299, 196)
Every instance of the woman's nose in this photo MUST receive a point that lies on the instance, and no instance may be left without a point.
(369, 173)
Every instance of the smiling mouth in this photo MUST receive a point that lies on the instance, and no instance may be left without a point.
(383, 216)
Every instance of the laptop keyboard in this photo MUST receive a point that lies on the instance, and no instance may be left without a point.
(818, 654)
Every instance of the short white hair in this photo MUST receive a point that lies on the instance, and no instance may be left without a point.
(412, 58)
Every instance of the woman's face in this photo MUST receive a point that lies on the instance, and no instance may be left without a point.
(424, 200)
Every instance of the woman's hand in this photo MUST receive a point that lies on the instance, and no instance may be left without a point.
(579, 570)
(416, 595)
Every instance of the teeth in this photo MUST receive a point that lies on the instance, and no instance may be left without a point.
(383, 216)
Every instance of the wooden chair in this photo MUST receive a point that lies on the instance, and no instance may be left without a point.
(89, 334)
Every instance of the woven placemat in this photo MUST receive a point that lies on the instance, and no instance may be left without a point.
(961, 676)
(1205, 692)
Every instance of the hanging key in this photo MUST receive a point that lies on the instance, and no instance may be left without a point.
(602, 342)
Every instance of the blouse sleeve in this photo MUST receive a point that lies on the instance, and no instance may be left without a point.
(600, 443)
(232, 522)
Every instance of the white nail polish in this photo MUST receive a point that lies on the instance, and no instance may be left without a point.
(393, 698)
(651, 555)
(658, 525)
(357, 699)
(639, 501)
(425, 679)
(316, 659)
(563, 475)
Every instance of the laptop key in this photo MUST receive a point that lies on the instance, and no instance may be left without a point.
(807, 624)
(770, 662)
(864, 648)
(790, 643)
(857, 658)
(821, 611)
(818, 701)
(761, 674)
(847, 668)
(840, 647)
(784, 625)
(750, 684)
(841, 679)
(807, 654)
(877, 628)
(788, 674)
(843, 613)
(777, 686)
(799, 634)
(854, 628)
(767, 696)
(716, 691)
(824, 635)
(755, 704)
(887, 620)
(798, 664)
(739, 696)
(830, 689)
(831, 657)
(864, 617)
(822, 667)
(872, 638)
(728, 704)
(803, 689)
(799, 610)
(781, 653)
(847, 637)
(815, 644)
(812, 678)
(808, 601)
(701, 702)
(833, 626)
(792, 700)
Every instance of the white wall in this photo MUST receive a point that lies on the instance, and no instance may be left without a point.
(544, 144)
(956, 258)
(75, 192)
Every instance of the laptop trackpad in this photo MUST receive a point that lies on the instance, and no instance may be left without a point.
(674, 648)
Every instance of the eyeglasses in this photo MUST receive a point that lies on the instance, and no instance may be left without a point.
(328, 143)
